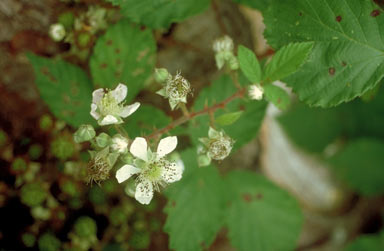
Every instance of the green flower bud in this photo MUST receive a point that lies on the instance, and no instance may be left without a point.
(62, 148)
(67, 19)
(84, 40)
(28, 240)
(35, 151)
(19, 164)
(97, 195)
(33, 194)
(103, 140)
(45, 122)
(84, 133)
(203, 160)
(3, 138)
(48, 242)
(57, 32)
(161, 75)
(85, 227)
(140, 240)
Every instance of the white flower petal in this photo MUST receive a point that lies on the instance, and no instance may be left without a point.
(172, 172)
(129, 109)
(94, 113)
(139, 148)
(144, 192)
(120, 92)
(97, 95)
(108, 120)
(125, 172)
(166, 146)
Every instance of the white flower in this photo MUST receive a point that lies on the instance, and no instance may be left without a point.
(108, 108)
(224, 43)
(119, 144)
(176, 89)
(152, 169)
(57, 32)
(255, 92)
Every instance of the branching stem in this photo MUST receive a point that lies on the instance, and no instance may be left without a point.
(239, 94)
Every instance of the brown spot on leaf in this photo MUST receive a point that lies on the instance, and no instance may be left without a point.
(247, 197)
(117, 50)
(338, 19)
(259, 196)
(103, 66)
(173, 204)
(343, 64)
(300, 13)
(375, 13)
(45, 71)
(117, 74)
(331, 71)
(279, 100)
(137, 72)
(109, 42)
(118, 61)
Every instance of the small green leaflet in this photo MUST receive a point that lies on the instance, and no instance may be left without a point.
(65, 88)
(287, 60)
(124, 54)
(228, 118)
(249, 64)
(348, 56)
(360, 165)
(158, 14)
(261, 216)
(277, 96)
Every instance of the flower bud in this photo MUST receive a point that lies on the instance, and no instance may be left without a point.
(103, 140)
(57, 32)
(255, 92)
(224, 43)
(161, 75)
(84, 133)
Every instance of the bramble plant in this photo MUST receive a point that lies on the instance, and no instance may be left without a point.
(323, 50)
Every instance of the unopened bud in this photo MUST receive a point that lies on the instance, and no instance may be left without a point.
(84, 133)
(161, 75)
(57, 32)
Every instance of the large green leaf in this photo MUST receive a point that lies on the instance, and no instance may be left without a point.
(145, 120)
(124, 54)
(367, 242)
(261, 216)
(65, 88)
(287, 60)
(244, 129)
(160, 13)
(360, 165)
(277, 96)
(347, 59)
(195, 208)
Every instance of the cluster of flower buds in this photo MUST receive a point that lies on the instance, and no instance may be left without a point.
(217, 146)
(152, 169)
(223, 48)
(79, 30)
(255, 91)
(175, 88)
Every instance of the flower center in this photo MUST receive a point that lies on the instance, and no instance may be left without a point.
(109, 105)
(178, 88)
(153, 172)
(219, 149)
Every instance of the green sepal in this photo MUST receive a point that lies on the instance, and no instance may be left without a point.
(103, 140)
(112, 158)
(84, 133)
(203, 160)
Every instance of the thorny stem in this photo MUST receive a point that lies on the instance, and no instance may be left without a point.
(239, 94)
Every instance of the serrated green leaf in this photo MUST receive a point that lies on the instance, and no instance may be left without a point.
(160, 13)
(65, 88)
(124, 54)
(277, 96)
(348, 56)
(261, 5)
(247, 126)
(228, 118)
(261, 216)
(146, 120)
(287, 60)
(249, 64)
(367, 242)
(195, 210)
(360, 165)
